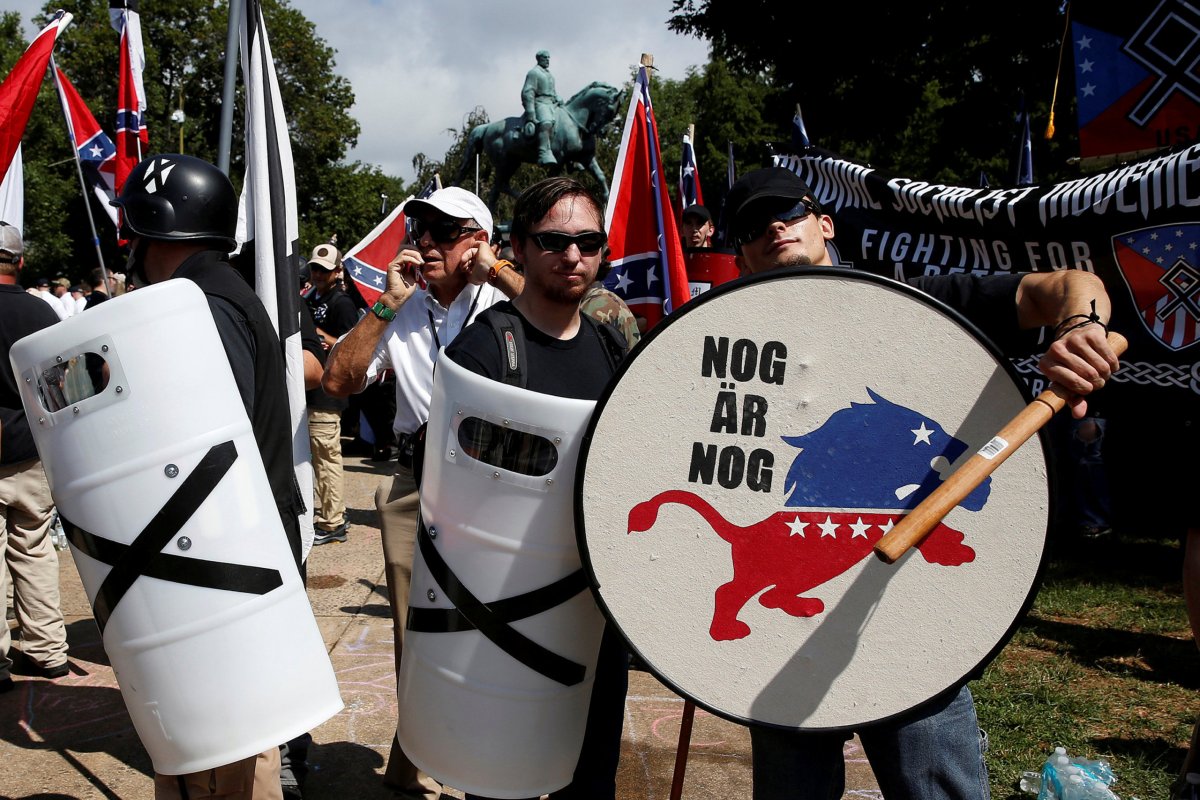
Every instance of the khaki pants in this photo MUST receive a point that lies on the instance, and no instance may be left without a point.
(253, 778)
(29, 561)
(398, 509)
(325, 439)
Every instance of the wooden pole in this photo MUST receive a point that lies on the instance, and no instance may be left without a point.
(681, 751)
(918, 524)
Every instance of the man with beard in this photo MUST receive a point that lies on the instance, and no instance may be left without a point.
(558, 235)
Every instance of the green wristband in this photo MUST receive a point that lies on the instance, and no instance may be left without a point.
(383, 312)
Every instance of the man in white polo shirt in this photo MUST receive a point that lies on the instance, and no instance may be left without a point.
(436, 285)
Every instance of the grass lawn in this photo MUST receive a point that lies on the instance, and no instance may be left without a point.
(1104, 665)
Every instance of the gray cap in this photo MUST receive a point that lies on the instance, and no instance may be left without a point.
(10, 240)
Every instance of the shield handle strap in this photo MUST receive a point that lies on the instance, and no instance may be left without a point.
(917, 524)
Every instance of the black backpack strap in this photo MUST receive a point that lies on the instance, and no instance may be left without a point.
(510, 338)
(610, 336)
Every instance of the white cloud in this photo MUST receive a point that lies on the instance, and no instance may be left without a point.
(418, 67)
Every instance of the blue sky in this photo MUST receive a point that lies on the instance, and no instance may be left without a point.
(418, 67)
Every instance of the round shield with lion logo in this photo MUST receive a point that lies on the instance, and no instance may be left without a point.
(746, 460)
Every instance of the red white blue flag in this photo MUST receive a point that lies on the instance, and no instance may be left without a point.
(1159, 266)
(366, 263)
(20, 88)
(97, 153)
(648, 271)
(1136, 83)
(689, 177)
(132, 134)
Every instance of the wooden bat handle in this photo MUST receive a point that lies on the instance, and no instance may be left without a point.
(915, 526)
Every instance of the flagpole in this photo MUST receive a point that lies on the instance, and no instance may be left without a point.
(87, 203)
(227, 94)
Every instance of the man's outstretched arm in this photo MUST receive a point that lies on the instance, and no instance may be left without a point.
(1074, 301)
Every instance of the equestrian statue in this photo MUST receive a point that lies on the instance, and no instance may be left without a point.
(550, 132)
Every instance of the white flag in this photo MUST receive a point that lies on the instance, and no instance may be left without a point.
(268, 228)
(12, 194)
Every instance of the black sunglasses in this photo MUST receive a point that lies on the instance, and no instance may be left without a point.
(589, 242)
(758, 226)
(442, 230)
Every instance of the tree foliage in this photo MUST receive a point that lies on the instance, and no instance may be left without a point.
(729, 108)
(452, 170)
(725, 106)
(927, 89)
(185, 62)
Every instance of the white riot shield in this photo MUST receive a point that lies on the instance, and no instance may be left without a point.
(154, 468)
(503, 634)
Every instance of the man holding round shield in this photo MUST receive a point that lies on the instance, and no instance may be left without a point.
(934, 751)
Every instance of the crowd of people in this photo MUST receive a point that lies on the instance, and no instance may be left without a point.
(444, 290)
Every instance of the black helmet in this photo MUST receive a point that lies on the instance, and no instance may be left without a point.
(179, 198)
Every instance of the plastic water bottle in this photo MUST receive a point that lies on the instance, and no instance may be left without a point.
(1098, 769)
(1031, 782)
(1050, 786)
(1191, 790)
(57, 535)
(1073, 788)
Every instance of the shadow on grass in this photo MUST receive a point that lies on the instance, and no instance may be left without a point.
(1151, 752)
(1132, 561)
(1165, 659)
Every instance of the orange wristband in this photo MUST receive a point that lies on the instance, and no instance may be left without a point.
(497, 268)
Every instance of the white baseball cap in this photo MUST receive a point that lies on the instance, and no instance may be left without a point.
(455, 202)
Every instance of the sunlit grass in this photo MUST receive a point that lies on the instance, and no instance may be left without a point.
(1104, 665)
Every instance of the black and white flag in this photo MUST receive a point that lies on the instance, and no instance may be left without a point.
(269, 231)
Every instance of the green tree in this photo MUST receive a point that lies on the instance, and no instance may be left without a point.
(728, 107)
(185, 43)
(724, 104)
(927, 89)
(348, 204)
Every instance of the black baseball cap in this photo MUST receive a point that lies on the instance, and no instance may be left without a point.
(697, 210)
(764, 184)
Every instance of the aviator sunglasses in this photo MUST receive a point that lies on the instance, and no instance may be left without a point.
(758, 226)
(442, 230)
(588, 242)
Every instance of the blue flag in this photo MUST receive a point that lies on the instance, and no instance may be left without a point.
(1025, 161)
(799, 132)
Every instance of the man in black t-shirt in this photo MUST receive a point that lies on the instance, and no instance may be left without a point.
(334, 314)
(558, 234)
(26, 507)
(933, 752)
(103, 287)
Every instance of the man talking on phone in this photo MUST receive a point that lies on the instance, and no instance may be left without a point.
(436, 285)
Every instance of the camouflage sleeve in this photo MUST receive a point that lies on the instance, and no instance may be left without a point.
(603, 306)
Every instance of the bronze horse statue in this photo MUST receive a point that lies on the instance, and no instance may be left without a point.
(573, 139)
